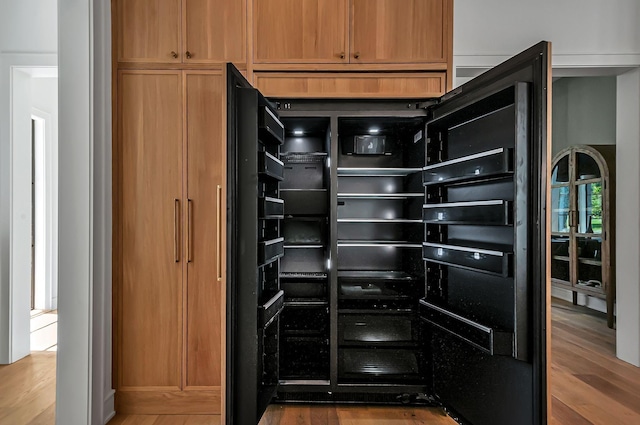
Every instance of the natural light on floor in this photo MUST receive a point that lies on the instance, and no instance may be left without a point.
(44, 330)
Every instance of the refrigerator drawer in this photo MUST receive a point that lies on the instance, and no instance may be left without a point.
(270, 129)
(492, 212)
(305, 201)
(269, 208)
(271, 250)
(379, 365)
(270, 166)
(373, 330)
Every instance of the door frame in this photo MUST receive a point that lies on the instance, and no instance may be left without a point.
(14, 321)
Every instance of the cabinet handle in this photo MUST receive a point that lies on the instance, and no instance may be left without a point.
(176, 224)
(342, 55)
(189, 230)
(174, 55)
(188, 54)
(356, 55)
(218, 235)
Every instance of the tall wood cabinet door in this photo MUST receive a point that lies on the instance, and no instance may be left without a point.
(149, 154)
(148, 30)
(206, 176)
(214, 31)
(300, 31)
(400, 31)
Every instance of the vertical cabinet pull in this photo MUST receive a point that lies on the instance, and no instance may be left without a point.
(176, 225)
(218, 235)
(189, 231)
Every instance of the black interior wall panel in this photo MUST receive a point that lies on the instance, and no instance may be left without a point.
(481, 297)
(491, 189)
(373, 231)
(474, 382)
(499, 235)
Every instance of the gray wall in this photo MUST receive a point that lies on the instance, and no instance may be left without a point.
(584, 112)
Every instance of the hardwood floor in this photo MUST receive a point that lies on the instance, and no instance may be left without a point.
(589, 384)
(589, 387)
(28, 390)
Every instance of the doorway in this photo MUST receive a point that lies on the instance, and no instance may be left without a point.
(34, 206)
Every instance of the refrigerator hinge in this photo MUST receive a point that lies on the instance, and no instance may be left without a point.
(426, 104)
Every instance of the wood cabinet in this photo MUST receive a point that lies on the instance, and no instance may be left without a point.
(316, 85)
(583, 222)
(168, 264)
(300, 31)
(398, 31)
(352, 31)
(181, 31)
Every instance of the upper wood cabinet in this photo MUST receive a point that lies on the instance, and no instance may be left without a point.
(300, 31)
(352, 31)
(181, 31)
(398, 31)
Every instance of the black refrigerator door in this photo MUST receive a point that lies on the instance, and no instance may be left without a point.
(485, 182)
(254, 297)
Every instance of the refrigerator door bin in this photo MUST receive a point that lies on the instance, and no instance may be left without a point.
(484, 338)
(270, 128)
(496, 212)
(270, 208)
(270, 166)
(270, 250)
(471, 258)
(492, 163)
(271, 309)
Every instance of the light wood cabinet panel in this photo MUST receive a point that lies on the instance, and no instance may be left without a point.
(206, 170)
(300, 31)
(398, 31)
(352, 85)
(214, 31)
(150, 284)
(148, 30)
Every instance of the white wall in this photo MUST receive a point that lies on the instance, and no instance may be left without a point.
(583, 32)
(627, 217)
(584, 112)
(44, 99)
(28, 26)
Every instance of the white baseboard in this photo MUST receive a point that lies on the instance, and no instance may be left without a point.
(109, 407)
